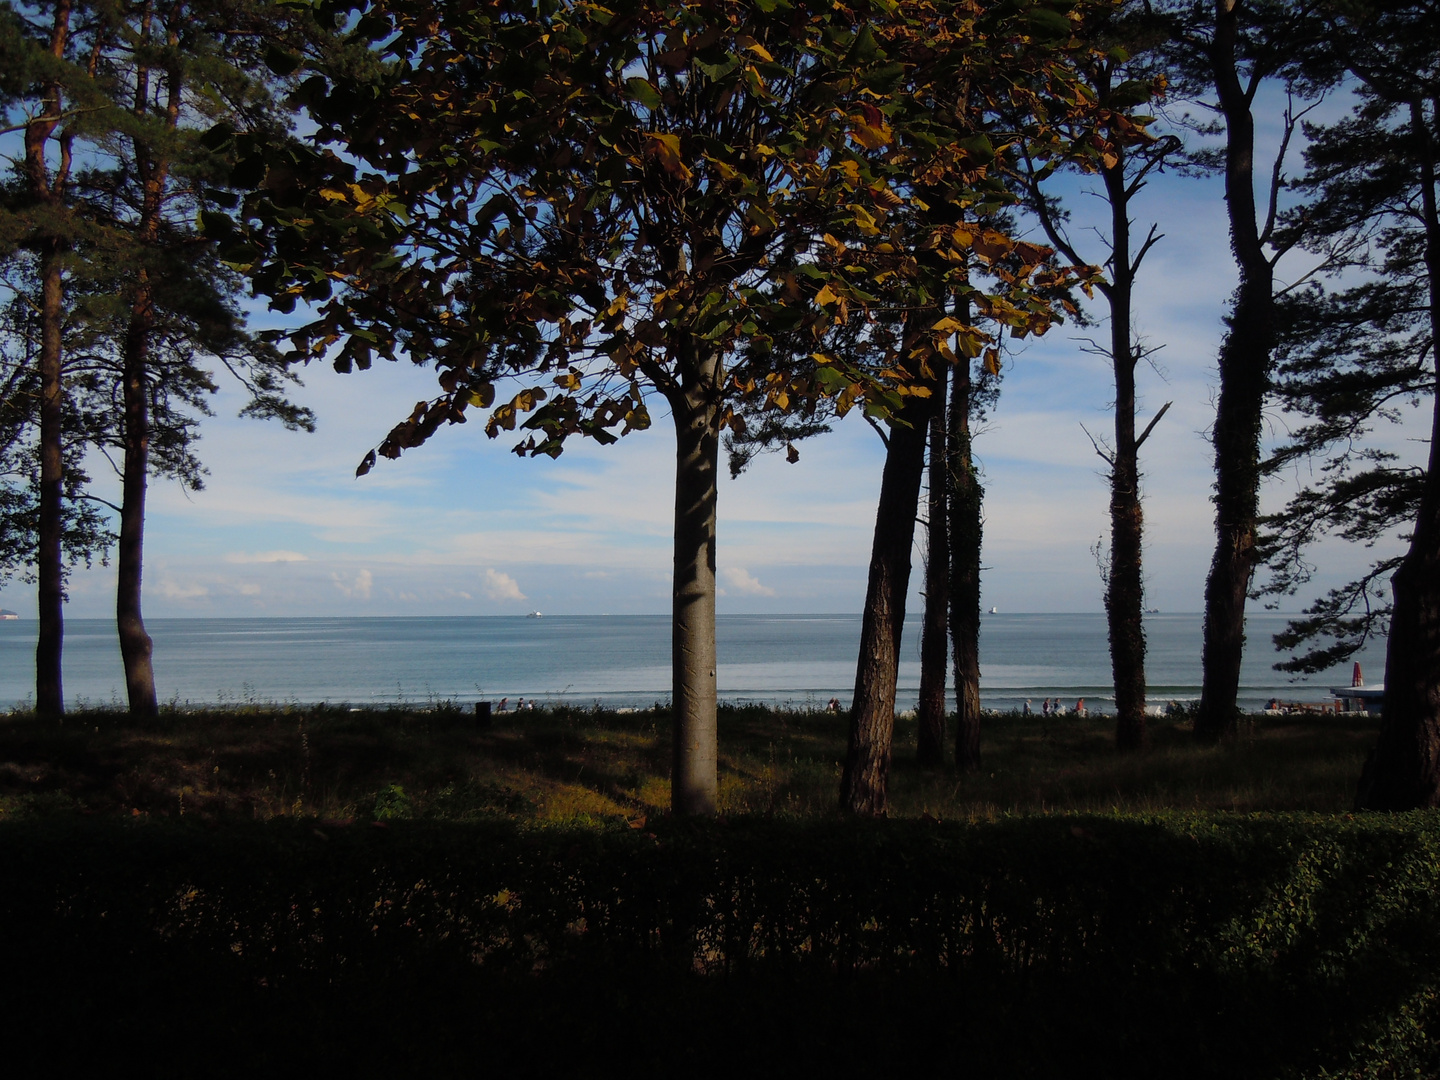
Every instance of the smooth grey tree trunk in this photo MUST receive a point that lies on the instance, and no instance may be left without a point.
(694, 774)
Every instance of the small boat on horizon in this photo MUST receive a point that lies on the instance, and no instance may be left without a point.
(534, 615)
(994, 611)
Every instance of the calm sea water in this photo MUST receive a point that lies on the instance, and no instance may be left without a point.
(618, 660)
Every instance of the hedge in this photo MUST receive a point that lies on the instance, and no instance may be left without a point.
(1186, 946)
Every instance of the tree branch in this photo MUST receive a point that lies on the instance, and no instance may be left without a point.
(1151, 426)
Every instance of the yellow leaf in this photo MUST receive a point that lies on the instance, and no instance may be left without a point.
(992, 361)
(864, 221)
(665, 148)
(826, 296)
(870, 136)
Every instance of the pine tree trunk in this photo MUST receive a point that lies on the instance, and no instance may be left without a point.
(47, 186)
(1404, 770)
(1124, 587)
(50, 568)
(872, 715)
(135, 644)
(1245, 368)
(934, 640)
(136, 648)
(966, 532)
(694, 775)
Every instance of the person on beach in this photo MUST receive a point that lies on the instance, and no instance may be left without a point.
(504, 705)
(1080, 707)
(834, 706)
(1025, 709)
(1045, 708)
(519, 704)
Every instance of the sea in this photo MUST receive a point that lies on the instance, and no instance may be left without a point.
(623, 661)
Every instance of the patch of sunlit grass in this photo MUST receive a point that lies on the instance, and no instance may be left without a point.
(590, 765)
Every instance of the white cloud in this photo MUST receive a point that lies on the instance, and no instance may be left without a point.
(265, 557)
(173, 590)
(249, 590)
(742, 581)
(358, 588)
(500, 586)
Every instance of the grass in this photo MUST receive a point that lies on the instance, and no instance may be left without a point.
(597, 766)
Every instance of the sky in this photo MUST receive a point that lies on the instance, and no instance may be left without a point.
(461, 526)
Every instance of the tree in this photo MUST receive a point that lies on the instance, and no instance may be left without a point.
(992, 102)
(618, 203)
(624, 202)
(1231, 48)
(174, 69)
(1351, 356)
(1120, 82)
(143, 294)
(52, 92)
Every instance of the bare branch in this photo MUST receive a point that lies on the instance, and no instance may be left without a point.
(1151, 426)
(1105, 455)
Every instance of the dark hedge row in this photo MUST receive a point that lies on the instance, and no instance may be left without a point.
(1188, 946)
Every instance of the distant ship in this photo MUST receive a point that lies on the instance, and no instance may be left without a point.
(1152, 611)
(6, 615)
(994, 611)
(534, 615)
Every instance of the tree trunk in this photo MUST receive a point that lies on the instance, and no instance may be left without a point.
(1245, 362)
(966, 528)
(872, 715)
(1404, 770)
(47, 187)
(1124, 587)
(135, 644)
(50, 568)
(136, 648)
(934, 640)
(694, 777)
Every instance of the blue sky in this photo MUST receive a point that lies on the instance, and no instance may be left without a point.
(463, 527)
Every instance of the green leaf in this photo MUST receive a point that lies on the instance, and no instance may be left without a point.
(282, 61)
(641, 90)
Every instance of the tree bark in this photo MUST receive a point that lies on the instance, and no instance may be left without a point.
(934, 640)
(966, 532)
(1403, 771)
(694, 777)
(135, 644)
(872, 714)
(1124, 587)
(1245, 370)
(50, 568)
(136, 647)
(46, 187)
